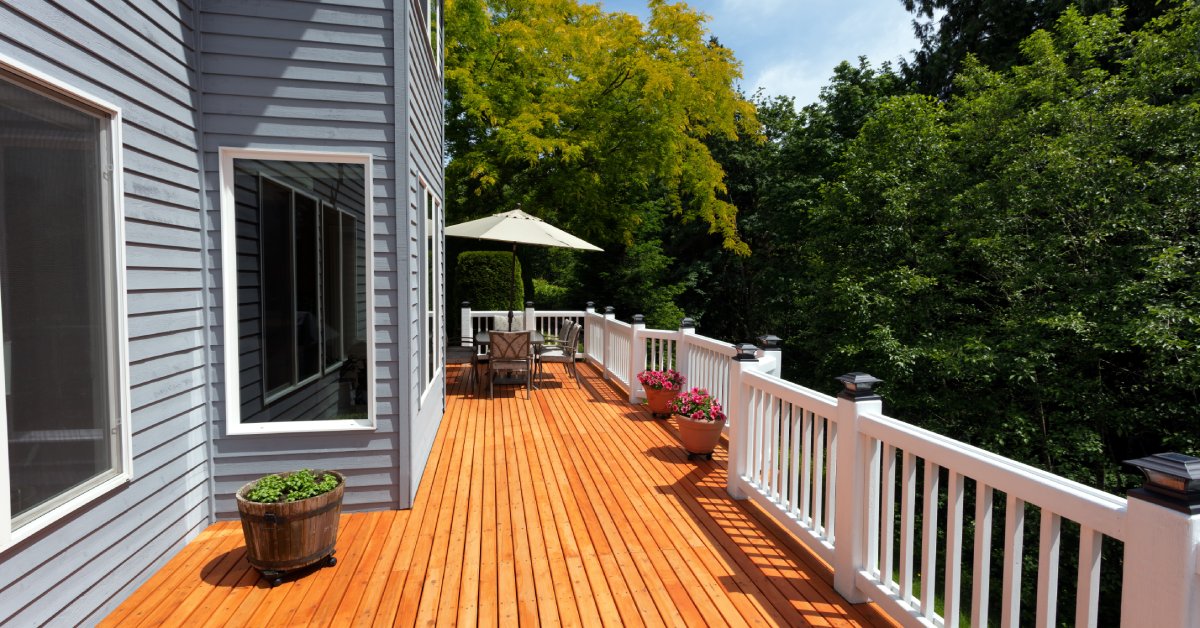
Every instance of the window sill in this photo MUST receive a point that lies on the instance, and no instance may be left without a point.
(65, 509)
(300, 427)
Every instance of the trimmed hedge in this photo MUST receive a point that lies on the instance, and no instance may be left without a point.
(485, 279)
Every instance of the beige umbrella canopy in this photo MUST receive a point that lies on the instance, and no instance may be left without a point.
(519, 228)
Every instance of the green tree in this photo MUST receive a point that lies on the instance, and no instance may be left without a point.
(581, 116)
(991, 31)
(1020, 261)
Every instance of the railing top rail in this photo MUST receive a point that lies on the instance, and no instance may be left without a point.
(712, 344)
(618, 323)
(818, 402)
(486, 313)
(541, 313)
(659, 333)
(1083, 504)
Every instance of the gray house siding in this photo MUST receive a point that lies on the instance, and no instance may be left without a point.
(191, 78)
(140, 58)
(423, 122)
(319, 77)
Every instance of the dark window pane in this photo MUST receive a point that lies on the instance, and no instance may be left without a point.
(54, 299)
(313, 269)
(278, 320)
(331, 285)
(308, 329)
(351, 286)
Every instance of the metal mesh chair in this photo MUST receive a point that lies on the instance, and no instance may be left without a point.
(563, 353)
(510, 351)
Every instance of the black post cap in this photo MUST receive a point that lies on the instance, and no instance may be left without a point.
(1172, 481)
(687, 323)
(466, 304)
(591, 304)
(529, 304)
(859, 386)
(638, 319)
(608, 309)
(746, 352)
(770, 342)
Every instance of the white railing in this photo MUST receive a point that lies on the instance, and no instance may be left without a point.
(709, 363)
(789, 456)
(886, 502)
(893, 449)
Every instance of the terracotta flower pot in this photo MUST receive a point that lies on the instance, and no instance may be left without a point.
(660, 401)
(699, 437)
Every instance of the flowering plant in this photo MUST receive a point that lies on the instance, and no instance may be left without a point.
(698, 405)
(669, 379)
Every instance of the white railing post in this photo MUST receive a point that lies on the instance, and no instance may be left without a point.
(737, 409)
(587, 345)
(687, 327)
(772, 346)
(1161, 584)
(850, 483)
(637, 358)
(609, 316)
(530, 322)
(467, 338)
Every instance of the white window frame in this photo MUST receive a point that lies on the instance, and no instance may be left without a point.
(433, 30)
(122, 473)
(229, 297)
(430, 330)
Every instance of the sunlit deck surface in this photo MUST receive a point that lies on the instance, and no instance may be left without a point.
(572, 508)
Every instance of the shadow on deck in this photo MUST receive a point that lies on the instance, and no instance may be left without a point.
(573, 507)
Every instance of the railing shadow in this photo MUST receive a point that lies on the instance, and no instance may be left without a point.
(775, 567)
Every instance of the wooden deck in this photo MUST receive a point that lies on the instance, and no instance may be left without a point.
(573, 508)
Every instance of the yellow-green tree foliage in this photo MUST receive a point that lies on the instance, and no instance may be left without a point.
(581, 116)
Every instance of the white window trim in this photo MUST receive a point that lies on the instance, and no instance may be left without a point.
(229, 300)
(115, 290)
(433, 16)
(424, 193)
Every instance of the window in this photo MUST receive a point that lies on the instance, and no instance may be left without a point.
(295, 234)
(64, 417)
(434, 15)
(431, 292)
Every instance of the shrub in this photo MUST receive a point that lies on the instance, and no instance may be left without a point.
(291, 487)
(549, 296)
(485, 279)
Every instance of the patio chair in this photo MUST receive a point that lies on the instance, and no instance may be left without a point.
(511, 351)
(563, 353)
(479, 357)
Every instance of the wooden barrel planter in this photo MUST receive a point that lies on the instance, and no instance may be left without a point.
(288, 536)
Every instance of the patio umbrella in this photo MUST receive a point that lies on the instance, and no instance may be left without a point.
(518, 227)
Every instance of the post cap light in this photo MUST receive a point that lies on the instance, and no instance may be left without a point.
(746, 352)
(638, 319)
(1172, 481)
(608, 309)
(591, 305)
(466, 304)
(859, 386)
(529, 304)
(770, 342)
(687, 323)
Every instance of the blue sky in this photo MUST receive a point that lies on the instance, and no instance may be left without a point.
(789, 47)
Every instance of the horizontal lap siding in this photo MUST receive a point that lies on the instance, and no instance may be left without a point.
(424, 124)
(142, 59)
(306, 76)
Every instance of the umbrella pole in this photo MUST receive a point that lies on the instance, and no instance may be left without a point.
(512, 287)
